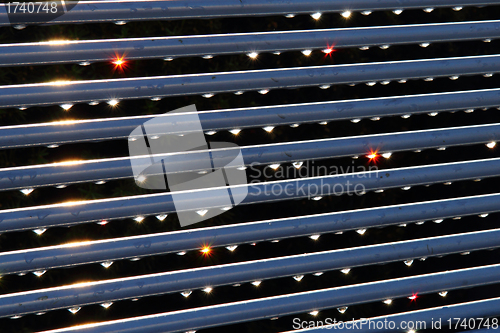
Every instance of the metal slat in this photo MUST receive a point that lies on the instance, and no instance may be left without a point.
(72, 254)
(152, 204)
(475, 309)
(127, 11)
(106, 291)
(87, 51)
(70, 92)
(264, 308)
(74, 131)
(116, 168)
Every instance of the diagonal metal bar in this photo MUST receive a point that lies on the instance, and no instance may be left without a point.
(151, 204)
(116, 168)
(127, 10)
(426, 317)
(112, 290)
(88, 51)
(168, 242)
(264, 308)
(70, 92)
(119, 128)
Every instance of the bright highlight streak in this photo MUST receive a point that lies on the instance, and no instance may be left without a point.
(346, 14)
(316, 16)
(253, 55)
(113, 102)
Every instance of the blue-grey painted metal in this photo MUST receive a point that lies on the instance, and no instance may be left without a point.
(88, 51)
(71, 92)
(151, 204)
(125, 11)
(191, 279)
(426, 317)
(184, 240)
(116, 168)
(119, 128)
(265, 308)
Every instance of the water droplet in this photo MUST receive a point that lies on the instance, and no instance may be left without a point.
(297, 165)
(208, 95)
(448, 183)
(231, 247)
(318, 274)
(397, 11)
(408, 262)
(385, 82)
(491, 144)
(235, 131)
(357, 120)
(469, 111)
(39, 273)
(314, 237)
(274, 166)
(387, 155)
(208, 56)
(106, 264)
(316, 16)
(379, 191)
(52, 146)
(317, 198)
(438, 221)
(161, 217)
(100, 182)
(39, 231)
(424, 44)
(487, 40)
(419, 222)
(457, 8)
(465, 253)
(477, 180)
(22, 108)
(263, 91)
(428, 10)
(342, 309)
(488, 75)
(26, 191)
(139, 219)
(323, 123)
(268, 129)
(226, 208)
(361, 231)
(106, 305)
(433, 114)
(402, 81)
(290, 15)
(441, 148)
(238, 93)
(429, 79)
(208, 290)
(484, 215)
(181, 253)
(294, 125)
(156, 99)
(306, 52)
(388, 301)
(113, 102)
(19, 26)
(93, 103)
(417, 151)
(454, 77)
(371, 84)
(346, 14)
(121, 22)
(366, 12)
(457, 218)
(210, 132)
(256, 283)
(276, 52)
(253, 55)
(186, 293)
(74, 310)
(384, 47)
(442, 293)
(325, 86)
(40, 313)
(345, 270)
(406, 116)
(16, 317)
(202, 212)
(364, 48)
(168, 59)
(298, 277)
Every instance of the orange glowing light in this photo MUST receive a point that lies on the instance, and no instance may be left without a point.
(119, 62)
(373, 156)
(205, 250)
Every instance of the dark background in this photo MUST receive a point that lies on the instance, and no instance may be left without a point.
(119, 228)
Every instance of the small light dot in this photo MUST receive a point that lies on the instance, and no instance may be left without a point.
(316, 16)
